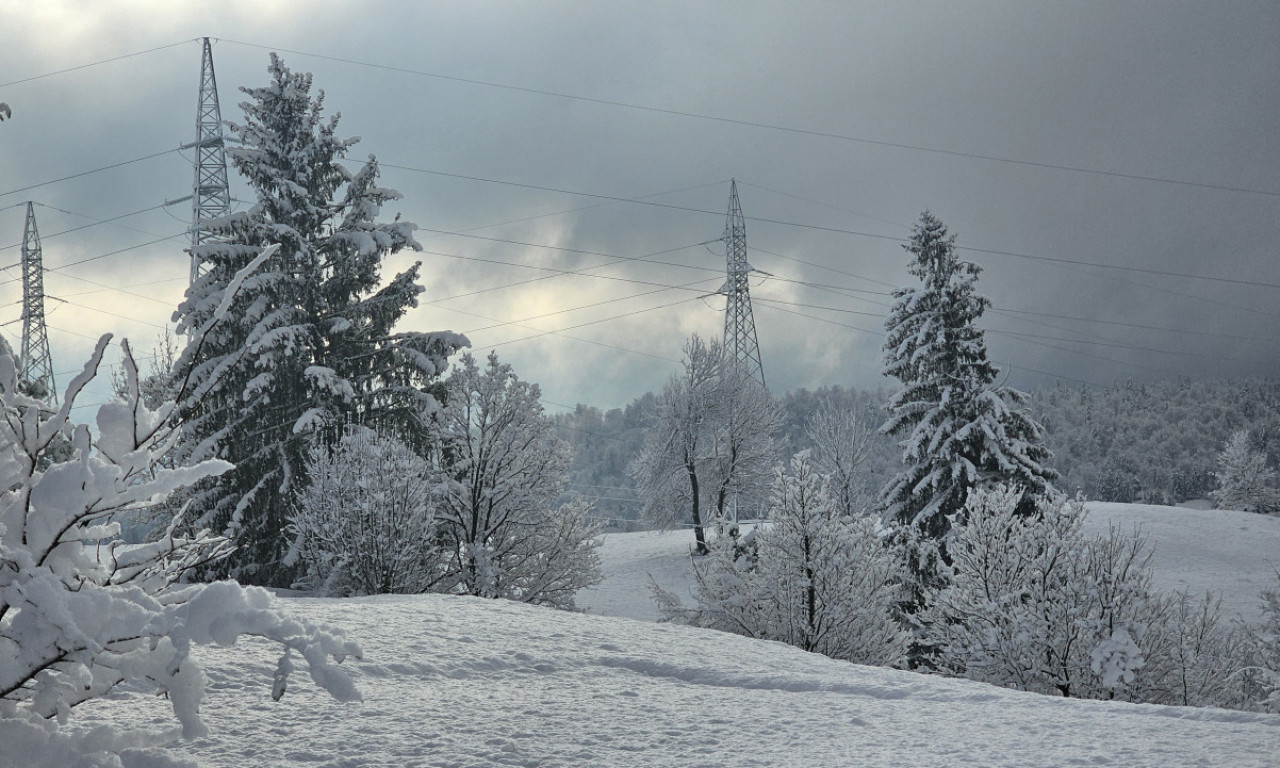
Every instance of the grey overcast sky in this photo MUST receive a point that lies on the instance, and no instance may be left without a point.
(1114, 167)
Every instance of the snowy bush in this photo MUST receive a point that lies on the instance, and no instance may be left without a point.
(842, 442)
(1036, 605)
(813, 577)
(365, 523)
(80, 614)
(1244, 480)
(1195, 659)
(1264, 672)
(501, 472)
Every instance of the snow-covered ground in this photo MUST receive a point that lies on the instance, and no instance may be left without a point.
(1235, 553)
(450, 681)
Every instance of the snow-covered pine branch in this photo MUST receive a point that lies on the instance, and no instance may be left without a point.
(80, 613)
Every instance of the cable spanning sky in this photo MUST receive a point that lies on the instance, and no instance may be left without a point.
(1113, 167)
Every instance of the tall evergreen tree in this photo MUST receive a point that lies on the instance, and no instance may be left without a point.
(308, 343)
(957, 429)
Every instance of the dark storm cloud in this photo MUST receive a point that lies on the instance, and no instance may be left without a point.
(1181, 91)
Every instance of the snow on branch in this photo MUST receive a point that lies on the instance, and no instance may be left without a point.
(80, 613)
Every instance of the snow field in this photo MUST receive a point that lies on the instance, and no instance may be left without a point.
(1235, 553)
(464, 682)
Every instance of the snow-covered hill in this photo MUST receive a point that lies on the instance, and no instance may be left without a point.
(452, 681)
(1235, 553)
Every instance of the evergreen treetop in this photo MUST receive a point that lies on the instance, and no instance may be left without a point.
(309, 342)
(957, 429)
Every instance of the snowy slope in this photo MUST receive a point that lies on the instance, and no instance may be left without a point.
(451, 681)
(1236, 553)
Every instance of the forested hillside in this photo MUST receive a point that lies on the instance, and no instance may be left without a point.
(1130, 442)
(1154, 443)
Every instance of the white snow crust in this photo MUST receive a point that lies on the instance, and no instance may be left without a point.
(455, 681)
(1234, 553)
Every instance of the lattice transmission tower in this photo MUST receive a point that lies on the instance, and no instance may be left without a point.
(36, 366)
(210, 194)
(740, 343)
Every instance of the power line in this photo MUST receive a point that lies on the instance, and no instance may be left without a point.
(1010, 364)
(1028, 338)
(1099, 265)
(87, 173)
(1116, 345)
(1140, 326)
(592, 305)
(774, 127)
(95, 222)
(94, 63)
(597, 322)
(833, 230)
(106, 312)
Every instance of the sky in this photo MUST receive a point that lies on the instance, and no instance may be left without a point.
(1114, 168)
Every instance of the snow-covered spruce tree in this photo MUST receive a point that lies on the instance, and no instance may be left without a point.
(957, 429)
(365, 522)
(818, 578)
(1244, 480)
(712, 443)
(502, 469)
(80, 614)
(309, 343)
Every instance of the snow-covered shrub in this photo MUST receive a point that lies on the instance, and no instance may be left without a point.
(1194, 658)
(80, 613)
(814, 577)
(365, 523)
(842, 441)
(1034, 604)
(1244, 480)
(1264, 671)
(501, 470)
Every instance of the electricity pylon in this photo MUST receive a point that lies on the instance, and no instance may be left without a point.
(210, 194)
(36, 368)
(740, 343)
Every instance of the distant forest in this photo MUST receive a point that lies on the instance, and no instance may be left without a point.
(1127, 442)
